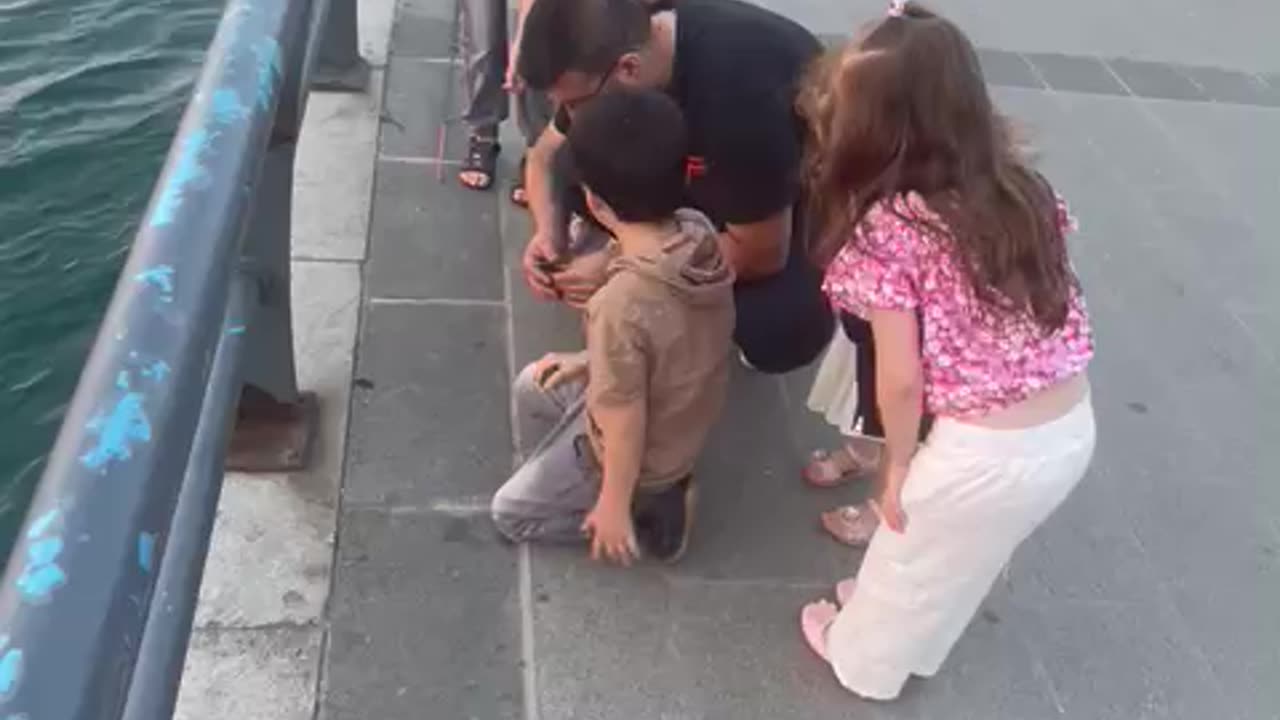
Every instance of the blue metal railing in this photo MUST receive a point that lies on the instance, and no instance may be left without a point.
(99, 593)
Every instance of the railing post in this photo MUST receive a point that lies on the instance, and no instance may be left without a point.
(274, 422)
(340, 67)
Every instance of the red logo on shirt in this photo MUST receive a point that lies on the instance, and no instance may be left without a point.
(694, 167)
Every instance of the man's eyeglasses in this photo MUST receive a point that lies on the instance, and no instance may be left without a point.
(574, 103)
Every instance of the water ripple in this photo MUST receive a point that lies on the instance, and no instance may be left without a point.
(90, 92)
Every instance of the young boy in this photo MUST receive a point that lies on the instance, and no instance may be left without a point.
(629, 415)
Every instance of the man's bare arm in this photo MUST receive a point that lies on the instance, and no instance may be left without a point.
(760, 249)
(544, 189)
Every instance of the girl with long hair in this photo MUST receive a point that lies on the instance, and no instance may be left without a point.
(940, 234)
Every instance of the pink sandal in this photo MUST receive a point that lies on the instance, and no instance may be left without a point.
(831, 468)
(815, 620)
(853, 525)
(816, 617)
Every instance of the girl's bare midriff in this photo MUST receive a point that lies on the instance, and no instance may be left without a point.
(1043, 407)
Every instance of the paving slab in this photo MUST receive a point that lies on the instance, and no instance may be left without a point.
(432, 420)
(1076, 73)
(1227, 86)
(432, 239)
(425, 620)
(1155, 80)
(269, 674)
(422, 32)
(1001, 67)
(651, 643)
(419, 103)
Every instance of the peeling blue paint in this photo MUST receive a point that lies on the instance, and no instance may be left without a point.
(159, 277)
(41, 525)
(158, 371)
(117, 431)
(42, 575)
(227, 108)
(186, 171)
(10, 670)
(267, 51)
(235, 330)
(122, 379)
(146, 551)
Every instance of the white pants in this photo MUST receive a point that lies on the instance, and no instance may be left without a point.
(971, 496)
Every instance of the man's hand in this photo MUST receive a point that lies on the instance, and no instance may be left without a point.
(613, 537)
(889, 503)
(537, 268)
(579, 280)
(556, 369)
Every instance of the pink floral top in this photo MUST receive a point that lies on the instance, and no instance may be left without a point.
(975, 360)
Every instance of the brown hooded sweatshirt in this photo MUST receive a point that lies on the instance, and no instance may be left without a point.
(661, 329)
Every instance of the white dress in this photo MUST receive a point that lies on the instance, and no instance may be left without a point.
(834, 394)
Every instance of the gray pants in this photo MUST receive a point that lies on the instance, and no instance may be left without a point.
(488, 49)
(552, 492)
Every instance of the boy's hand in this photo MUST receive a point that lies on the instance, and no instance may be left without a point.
(613, 537)
(556, 369)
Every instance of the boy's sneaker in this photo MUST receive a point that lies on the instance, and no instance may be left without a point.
(664, 519)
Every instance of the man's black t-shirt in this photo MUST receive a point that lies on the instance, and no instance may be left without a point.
(737, 70)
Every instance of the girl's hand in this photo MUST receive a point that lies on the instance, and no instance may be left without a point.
(889, 503)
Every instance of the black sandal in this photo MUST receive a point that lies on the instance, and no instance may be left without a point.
(519, 196)
(482, 160)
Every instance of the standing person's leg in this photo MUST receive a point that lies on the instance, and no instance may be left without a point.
(486, 46)
(549, 496)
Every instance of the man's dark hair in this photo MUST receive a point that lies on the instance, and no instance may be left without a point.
(628, 147)
(584, 35)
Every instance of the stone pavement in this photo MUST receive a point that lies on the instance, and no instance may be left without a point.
(1145, 597)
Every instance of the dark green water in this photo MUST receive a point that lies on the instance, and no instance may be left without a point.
(90, 93)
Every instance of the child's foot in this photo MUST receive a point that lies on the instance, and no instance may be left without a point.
(844, 590)
(853, 525)
(832, 468)
(815, 620)
(664, 521)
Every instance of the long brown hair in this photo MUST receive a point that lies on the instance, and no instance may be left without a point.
(905, 109)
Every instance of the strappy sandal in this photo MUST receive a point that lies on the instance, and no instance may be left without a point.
(835, 467)
(519, 197)
(853, 525)
(815, 621)
(481, 163)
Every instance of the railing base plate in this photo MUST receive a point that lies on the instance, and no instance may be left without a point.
(271, 436)
(352, 79)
